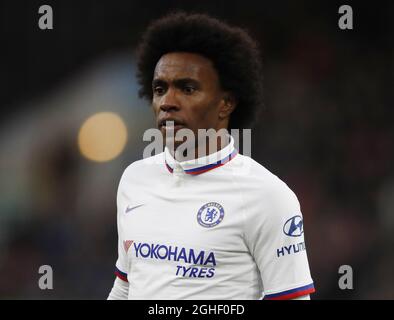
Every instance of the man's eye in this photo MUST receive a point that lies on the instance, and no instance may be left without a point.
(158, 90)
(189, 89)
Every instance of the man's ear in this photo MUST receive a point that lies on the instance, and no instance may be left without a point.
(228, 105)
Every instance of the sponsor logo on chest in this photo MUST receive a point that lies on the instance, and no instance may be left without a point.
(192, 263)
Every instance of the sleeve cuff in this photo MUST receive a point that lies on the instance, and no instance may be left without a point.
(291, 294)
(121, 275)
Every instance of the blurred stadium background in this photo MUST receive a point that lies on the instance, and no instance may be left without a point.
(71, 122)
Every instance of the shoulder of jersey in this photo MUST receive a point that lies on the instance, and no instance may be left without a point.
(265, 183)
(144, 166)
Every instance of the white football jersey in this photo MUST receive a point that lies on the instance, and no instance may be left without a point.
(225, 229)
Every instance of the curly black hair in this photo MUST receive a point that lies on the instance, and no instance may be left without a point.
(234, 54)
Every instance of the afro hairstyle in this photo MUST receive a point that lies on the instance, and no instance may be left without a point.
(234, 54)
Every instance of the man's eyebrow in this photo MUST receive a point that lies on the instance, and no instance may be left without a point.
(183, 81)
(176, 82)
(156, 82)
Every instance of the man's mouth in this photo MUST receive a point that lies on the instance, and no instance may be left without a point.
(171, 124)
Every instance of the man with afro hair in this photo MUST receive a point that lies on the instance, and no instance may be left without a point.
(205, 223)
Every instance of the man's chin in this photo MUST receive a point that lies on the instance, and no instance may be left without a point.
(171, 143)
(169, 134)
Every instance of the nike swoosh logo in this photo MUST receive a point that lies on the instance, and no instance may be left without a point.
(128, 209)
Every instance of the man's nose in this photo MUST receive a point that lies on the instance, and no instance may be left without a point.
(169, 101)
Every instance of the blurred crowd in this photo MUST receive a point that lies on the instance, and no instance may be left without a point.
(327, 131)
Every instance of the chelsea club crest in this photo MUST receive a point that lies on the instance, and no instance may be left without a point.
(210, 214)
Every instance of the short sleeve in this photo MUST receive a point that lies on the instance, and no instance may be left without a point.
(275, 237)
(121, 266)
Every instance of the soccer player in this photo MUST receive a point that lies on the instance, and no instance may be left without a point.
(206, 229)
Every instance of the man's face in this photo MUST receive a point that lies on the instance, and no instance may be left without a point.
(186, 90)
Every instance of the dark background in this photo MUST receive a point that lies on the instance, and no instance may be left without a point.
(327, 131)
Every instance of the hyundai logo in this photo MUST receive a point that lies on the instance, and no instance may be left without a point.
(294, 227)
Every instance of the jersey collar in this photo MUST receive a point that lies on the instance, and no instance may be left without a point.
(203, 164)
